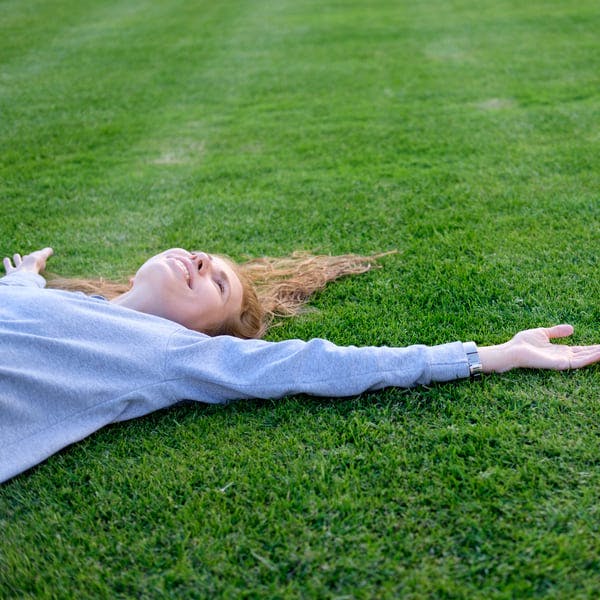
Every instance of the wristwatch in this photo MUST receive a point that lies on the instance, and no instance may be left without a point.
(475, 367)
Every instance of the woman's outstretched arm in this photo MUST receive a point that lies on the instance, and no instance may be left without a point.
(223, 368)
(532, 349)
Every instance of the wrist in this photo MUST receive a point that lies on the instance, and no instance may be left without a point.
(496, 359)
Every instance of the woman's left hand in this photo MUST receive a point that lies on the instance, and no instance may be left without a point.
(30, 263)
(532, 349)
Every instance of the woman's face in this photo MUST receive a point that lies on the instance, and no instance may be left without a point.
(193, 289)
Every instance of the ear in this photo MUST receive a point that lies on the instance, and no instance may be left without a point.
(131, 280)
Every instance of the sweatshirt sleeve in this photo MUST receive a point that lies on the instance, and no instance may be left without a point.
(23, 279)
(223, 368)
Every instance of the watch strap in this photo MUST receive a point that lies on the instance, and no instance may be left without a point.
(475, 367)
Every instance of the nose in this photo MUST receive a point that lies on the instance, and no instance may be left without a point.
(202, 261)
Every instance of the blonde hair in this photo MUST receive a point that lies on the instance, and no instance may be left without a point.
(272, 287)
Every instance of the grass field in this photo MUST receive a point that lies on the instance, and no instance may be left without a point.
(464, 134)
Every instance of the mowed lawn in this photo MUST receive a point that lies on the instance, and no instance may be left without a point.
(464, 134)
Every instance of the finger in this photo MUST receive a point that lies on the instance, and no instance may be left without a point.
(584, 355)
(7, 264)
(17, 260)
(41, 256)
(558, 331)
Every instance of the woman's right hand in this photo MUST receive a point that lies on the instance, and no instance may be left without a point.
(30, 263)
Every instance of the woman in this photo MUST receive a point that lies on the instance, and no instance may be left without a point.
(72, 363)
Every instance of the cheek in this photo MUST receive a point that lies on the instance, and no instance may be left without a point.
(206, 300)
(214, 301)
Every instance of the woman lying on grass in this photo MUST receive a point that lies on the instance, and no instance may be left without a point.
(183, 330)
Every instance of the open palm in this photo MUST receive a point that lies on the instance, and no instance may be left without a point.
(532, 349)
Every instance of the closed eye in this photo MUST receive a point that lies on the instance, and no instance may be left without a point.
(222, 280)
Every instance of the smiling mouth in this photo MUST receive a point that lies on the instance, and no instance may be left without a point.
(184, 269)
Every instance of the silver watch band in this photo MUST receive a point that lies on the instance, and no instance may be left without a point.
(475, 368)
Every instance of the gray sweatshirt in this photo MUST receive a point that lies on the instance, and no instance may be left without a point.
(70, 364)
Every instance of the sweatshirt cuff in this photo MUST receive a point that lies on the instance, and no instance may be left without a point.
(23, 279)
(448, 362)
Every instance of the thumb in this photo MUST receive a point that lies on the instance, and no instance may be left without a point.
(559, 331)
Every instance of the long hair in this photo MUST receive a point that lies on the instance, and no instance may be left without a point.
(272, 287)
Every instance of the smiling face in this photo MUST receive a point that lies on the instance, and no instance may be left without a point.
(194, 289)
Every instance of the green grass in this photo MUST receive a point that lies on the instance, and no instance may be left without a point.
(466, 135)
